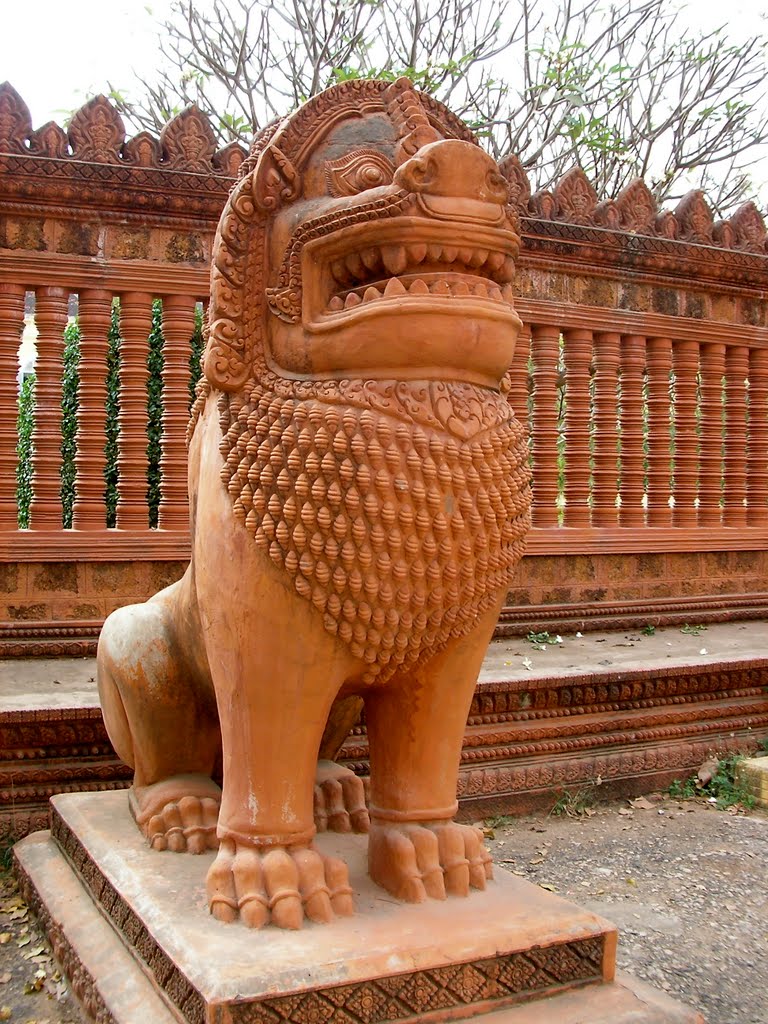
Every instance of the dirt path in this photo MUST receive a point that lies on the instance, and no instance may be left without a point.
(685, 883)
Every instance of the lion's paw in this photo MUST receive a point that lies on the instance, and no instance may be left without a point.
(414, 861)
(339, 799)
(178, 814)
(278, 884)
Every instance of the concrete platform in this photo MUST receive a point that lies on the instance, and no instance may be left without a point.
(514, 953)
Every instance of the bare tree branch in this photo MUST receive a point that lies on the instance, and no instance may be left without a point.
(618, 89)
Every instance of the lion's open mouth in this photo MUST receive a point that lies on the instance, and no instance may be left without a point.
(419, 269)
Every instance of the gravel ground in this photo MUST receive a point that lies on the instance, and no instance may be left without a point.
(685, 883)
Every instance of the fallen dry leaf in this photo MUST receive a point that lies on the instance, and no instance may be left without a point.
(626, 811)
(5, 937)
(707, 771)
(642, 804)
(5, 1012)
(547, 886)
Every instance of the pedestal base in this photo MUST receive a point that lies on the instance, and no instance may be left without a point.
(132, 930)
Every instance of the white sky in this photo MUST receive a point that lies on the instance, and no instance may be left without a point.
(57, 53)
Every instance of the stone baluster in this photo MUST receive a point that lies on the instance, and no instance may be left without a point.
(605, 474)
(178, 328)
(51, 321)
(11, 328)
(95, 313)
(135, 327)
(578, 357)
(519, 375)
(632, 487)
(711, 472)
(685, 362)
(736, 370)
(545, 350)
(757, 449)
(659, 489)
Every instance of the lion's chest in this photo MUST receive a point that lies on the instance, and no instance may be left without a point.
(398, 534)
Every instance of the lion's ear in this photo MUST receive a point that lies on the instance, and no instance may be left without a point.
(236, 281)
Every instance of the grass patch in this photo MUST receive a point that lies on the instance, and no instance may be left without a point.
(726, 789)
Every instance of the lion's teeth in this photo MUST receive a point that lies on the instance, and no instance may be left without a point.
(465, 255)
(340, 272)
(508, 294)
(336, 303)
(450, 253)
(480, 290)
(353, 299)
(419, 287)
(434, 253)
(440, 288)
(354, 264)
(395, 259)
(478, 258)
(417, 253)
(507, 271)
(370, 294)
(460, 288)
(494, 292)
(495, 260)
(371, 258)
(395, 287)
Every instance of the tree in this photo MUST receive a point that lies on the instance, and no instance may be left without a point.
(620, 90)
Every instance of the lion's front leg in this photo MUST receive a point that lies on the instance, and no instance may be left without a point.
(416, 727)
(267, 869)
(276, 673)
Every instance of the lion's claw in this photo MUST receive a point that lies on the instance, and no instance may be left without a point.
(280, 884)
(416, 861)
(339, 799)
(178, 814)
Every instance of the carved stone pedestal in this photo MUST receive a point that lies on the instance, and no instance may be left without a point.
(132, 929)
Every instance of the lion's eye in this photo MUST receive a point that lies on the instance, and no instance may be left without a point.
(357, 171)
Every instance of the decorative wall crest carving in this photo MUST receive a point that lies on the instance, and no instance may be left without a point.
(695, 219)
(575, 199)
(519, 185)
(96, 132)
(143, 150)
(634, 209)
(229, 160)
(49, 141)
(749, 229)
(188, 142)
(15, 120)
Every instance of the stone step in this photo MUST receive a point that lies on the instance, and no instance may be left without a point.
(631, 710)
(512, 954)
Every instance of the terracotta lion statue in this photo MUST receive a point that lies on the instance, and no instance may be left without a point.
(359, 496)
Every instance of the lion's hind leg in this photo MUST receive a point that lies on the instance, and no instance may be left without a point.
(161, 718)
